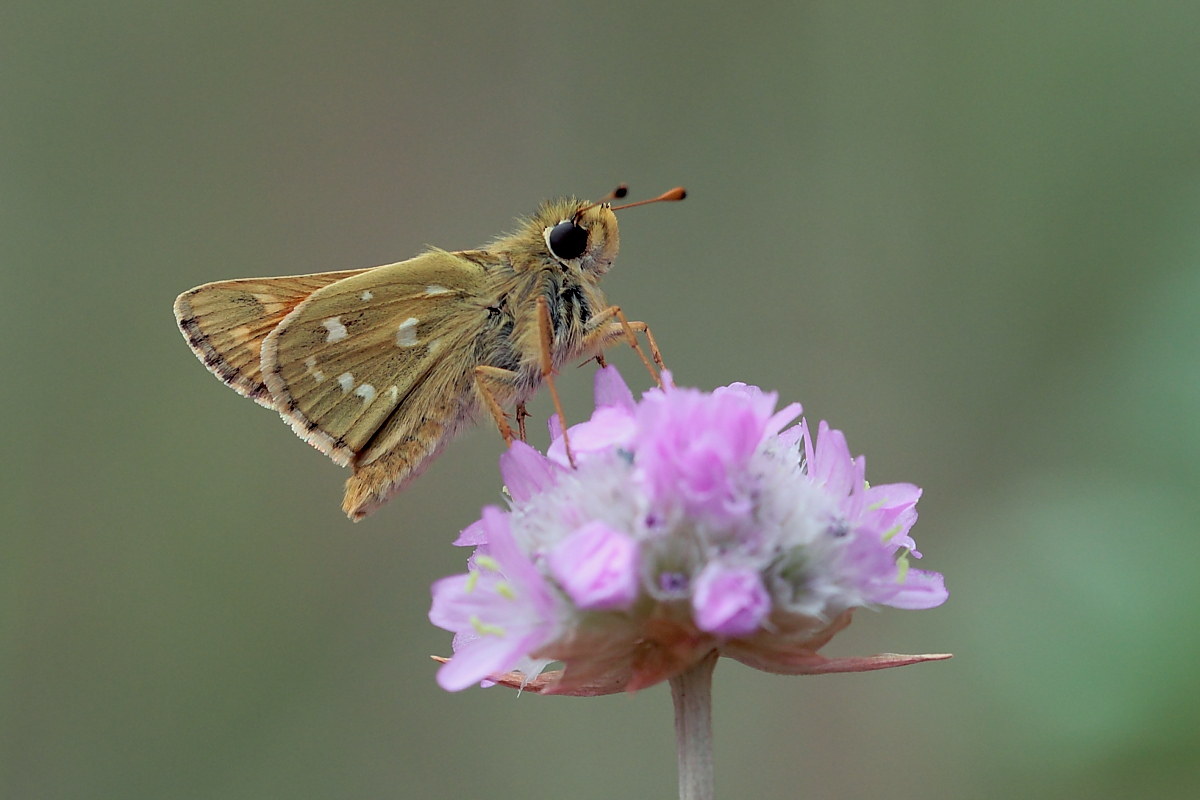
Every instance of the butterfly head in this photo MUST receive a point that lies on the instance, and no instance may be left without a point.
(582, 234)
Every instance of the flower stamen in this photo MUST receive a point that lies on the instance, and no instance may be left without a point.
(484, 629)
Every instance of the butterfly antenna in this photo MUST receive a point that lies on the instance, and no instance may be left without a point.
(669, 196)
(615, 194)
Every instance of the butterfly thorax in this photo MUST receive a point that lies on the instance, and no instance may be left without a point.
(510, 338)
(523, 267)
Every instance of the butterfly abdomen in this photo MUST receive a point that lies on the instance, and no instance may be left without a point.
(372, 484)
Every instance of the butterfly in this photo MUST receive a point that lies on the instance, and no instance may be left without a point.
(380, 368)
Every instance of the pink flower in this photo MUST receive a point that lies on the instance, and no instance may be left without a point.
(692, 522)
(694, 448)
(597, 566)
(501, 610)
(730, 601)
(875, 515)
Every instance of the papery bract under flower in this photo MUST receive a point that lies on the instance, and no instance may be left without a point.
(692, 521)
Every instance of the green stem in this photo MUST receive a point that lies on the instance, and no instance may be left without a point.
(692, 693)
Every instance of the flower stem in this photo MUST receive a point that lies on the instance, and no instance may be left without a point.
(692, 693)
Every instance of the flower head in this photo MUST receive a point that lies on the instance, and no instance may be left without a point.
(691, 522)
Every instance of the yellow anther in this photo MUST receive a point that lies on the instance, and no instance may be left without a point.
(484, 629)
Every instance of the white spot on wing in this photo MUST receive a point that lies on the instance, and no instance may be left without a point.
(318, 376)
(366, 295)
(434, 288)
(392, 394)
(366, 392)
(345, 380)
(406, 334)
(434, 345)
(337, 331)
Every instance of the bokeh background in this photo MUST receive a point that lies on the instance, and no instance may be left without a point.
(966, 233)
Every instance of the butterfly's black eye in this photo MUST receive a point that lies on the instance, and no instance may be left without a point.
(567, 240)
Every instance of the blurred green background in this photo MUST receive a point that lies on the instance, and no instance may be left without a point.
(966, 233)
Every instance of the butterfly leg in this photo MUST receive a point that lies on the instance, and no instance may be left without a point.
(547, 363)
(642, 327)
(602, 327)
(485, 374)
(522, 415)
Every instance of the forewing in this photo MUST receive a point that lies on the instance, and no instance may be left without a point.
(349, 356)
(226, 322)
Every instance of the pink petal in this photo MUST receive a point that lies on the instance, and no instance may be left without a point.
(527, 472)
(921, 590)
(610, 390)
